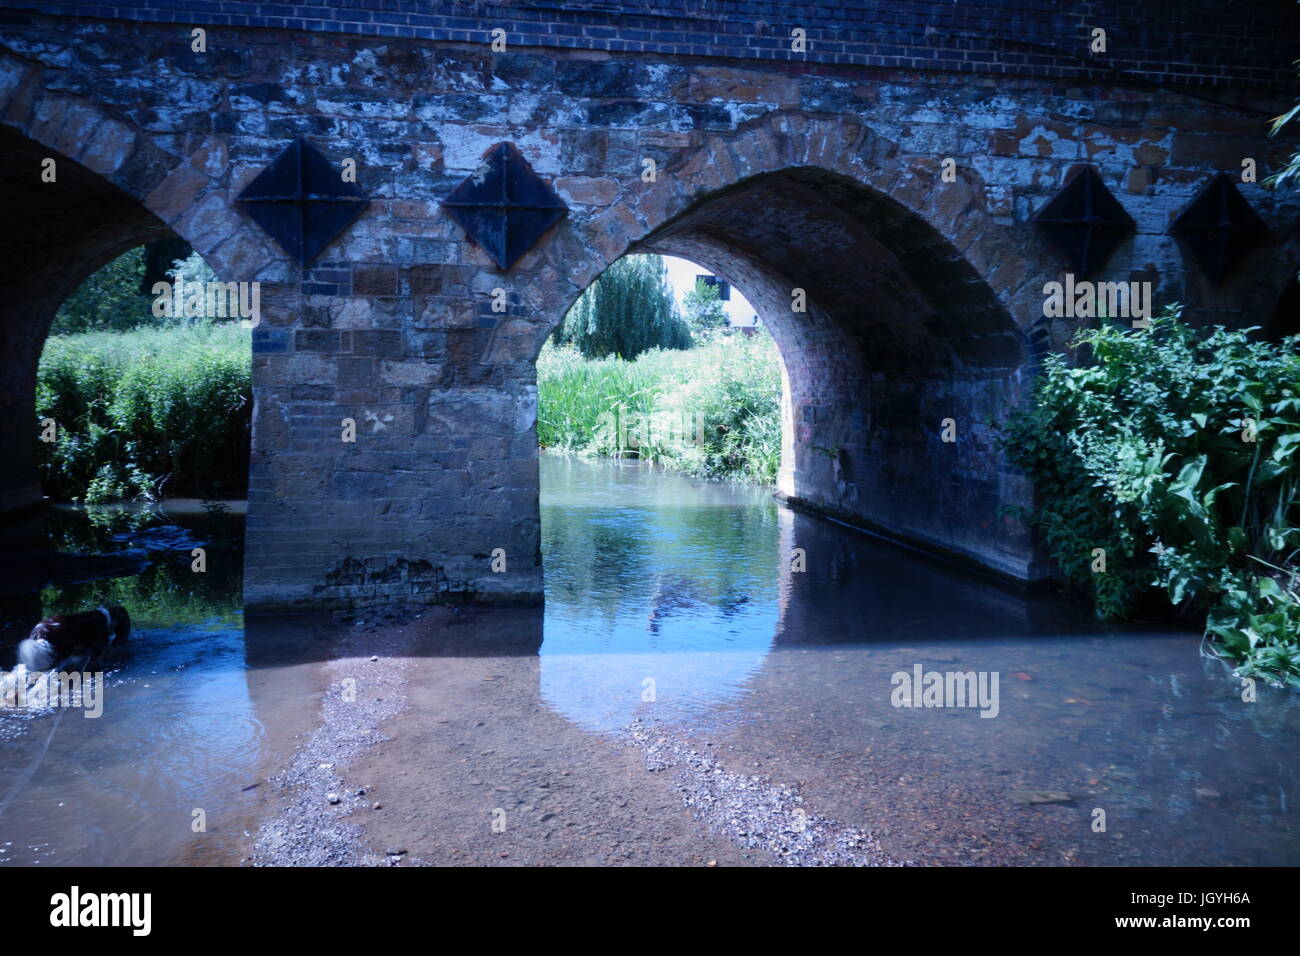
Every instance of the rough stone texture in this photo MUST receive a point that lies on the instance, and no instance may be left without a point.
(924, 297)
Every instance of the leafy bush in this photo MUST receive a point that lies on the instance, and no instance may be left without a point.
(1174, 451)
(147, 412)
(713, 411)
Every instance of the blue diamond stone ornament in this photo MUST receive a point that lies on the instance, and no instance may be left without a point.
(1219, 226)
(302, 201)
(1083, 222)
(503, 206)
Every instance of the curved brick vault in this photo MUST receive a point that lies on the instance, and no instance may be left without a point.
(901, 332)
(74, 229)
(924, 296)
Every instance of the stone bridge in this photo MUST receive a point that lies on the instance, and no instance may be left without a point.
(880, 165)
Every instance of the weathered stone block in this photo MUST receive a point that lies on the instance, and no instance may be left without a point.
(382, 343)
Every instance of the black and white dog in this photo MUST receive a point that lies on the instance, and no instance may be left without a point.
(58, 638)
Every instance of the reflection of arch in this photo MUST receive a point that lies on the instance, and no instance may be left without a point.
(114, 189)
(911, 290)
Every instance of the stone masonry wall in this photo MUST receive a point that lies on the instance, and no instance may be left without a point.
(925, 297)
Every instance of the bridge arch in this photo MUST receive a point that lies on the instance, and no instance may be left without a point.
(902, 328)
(113, 189)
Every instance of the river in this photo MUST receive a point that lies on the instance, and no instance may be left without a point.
(683, 618)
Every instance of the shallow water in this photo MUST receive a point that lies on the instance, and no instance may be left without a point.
(674, 602)
(653, 576)
(178, 732)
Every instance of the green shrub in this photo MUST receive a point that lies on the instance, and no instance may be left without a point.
(713, 411)
(1174, 451)
(148, 412)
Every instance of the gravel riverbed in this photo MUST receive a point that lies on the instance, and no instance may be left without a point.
(754, 811)
(318, 824)
(416, 753)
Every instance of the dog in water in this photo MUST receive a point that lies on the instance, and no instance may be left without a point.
(58, 638)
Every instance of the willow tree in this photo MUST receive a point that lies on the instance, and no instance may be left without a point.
(630, 309)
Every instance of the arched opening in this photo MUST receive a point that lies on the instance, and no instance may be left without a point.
(892, 362)
(56, 235)
(898, 364)
(660, 418)
(112, 397)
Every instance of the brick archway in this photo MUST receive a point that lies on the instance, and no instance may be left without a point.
(902, 330)
(113, 189)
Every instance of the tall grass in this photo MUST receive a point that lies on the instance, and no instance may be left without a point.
(166, 411)
(147, 412)
(712, 411)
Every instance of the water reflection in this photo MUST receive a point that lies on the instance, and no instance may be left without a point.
(652, 576)
(658, 588)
